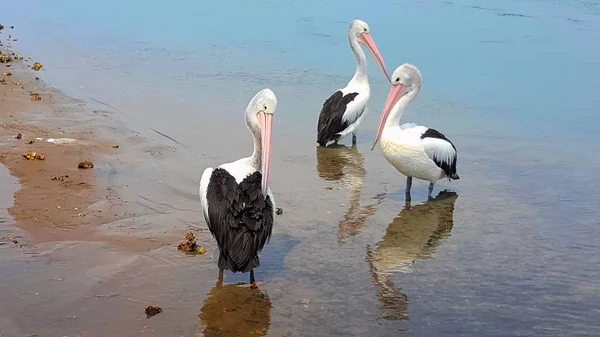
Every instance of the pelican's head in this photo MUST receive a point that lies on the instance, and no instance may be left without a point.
(259, 118)
(406, 83)
(359, 31)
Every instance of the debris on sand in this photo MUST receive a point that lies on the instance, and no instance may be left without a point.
(279, 211)
(329, 188)
(2, 156)
(30, 141)
(60, 178)
(1, 26)
(35, 96)
(86, 164)
(12, 27)
(19, 136)
(3, 81)
(190, 246)
(5, 58)
(37, 66)
(152, 311)
(11, 238)
(115, 146)
(33, 156)
(8, 73)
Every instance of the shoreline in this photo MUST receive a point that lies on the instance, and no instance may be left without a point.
(56, 200)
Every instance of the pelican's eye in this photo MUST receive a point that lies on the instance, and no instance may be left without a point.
(265, 106)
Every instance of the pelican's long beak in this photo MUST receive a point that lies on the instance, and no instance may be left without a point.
(265, 121)
(367, 40)
(396, 92)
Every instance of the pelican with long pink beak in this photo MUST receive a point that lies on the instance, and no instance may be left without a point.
(343, 111)
(237, 203)
(414, 150)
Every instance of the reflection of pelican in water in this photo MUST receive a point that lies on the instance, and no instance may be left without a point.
(414, 234)
(231, 310)
(346, 164)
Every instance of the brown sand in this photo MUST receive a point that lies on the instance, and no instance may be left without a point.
(48, 209)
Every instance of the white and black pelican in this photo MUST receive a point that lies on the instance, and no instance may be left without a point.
(238, 205)
(414, 150)
(344, 110)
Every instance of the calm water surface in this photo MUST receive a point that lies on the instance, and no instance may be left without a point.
(510, 249)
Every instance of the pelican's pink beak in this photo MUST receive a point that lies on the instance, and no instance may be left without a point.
(367, 40)
(396, 92)
(265, 121)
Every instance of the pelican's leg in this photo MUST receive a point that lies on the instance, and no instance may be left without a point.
(253, 283)
(430, 190)
(220, 280)
(353, 139)
(407, 189)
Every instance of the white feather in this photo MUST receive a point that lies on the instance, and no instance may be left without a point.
(439, 149)
(203, 187)
(355, 110)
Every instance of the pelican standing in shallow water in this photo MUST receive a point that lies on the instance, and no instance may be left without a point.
(237, 203)
(344, 110)
(414, 150)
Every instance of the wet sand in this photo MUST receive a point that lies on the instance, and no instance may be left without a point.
(57, 200)
(49, 209)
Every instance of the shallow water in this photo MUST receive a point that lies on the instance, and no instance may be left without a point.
(513, 251)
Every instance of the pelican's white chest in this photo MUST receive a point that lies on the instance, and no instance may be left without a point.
(404, 150)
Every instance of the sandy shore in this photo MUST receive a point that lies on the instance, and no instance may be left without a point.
(57, 200)
(55, 196)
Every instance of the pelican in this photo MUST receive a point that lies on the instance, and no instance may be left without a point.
(237, 203)
(344, 110)
(414, 150)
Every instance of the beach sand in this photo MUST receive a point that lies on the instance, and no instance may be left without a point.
(48, 209)
(57, 200)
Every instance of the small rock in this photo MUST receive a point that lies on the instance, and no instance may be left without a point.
(115, 146)
(85, 165)
(30, 141)
(8, 73)
(19, 136)
(329, 188)
(279, 211)
(152, 311)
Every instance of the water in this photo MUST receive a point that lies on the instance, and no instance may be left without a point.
(513, 251)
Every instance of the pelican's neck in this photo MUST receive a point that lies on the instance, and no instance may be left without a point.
(361, 61)
(393, 120)
(256, 157)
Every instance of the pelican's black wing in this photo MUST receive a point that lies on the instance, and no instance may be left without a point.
(240, 219)
(441, 150)
(330, 119)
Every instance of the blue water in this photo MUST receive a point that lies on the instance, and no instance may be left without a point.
(512, 83)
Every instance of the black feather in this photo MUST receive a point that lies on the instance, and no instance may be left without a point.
(330, 119)
(240, 219)
(448, 168)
